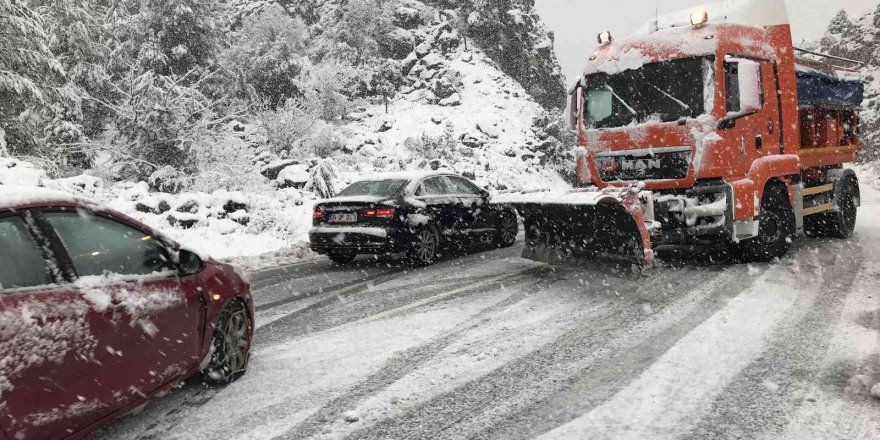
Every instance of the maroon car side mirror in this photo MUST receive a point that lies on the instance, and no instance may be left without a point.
(189, 263)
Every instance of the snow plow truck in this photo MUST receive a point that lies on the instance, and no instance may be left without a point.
(707, 127)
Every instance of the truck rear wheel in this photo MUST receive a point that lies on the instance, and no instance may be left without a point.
(838, 224)
(776, 229)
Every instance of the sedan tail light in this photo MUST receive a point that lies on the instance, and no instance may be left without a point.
(379, 213)
(316, 214)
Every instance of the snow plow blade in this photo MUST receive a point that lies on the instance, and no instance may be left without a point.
(606, 226)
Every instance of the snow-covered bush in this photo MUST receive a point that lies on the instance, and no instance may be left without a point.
(324, 141)
(287, 127)
(322, 178)
(427, 147)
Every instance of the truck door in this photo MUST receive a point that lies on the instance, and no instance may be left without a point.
(752, 122)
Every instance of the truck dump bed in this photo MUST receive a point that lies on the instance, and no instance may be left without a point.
(829, 98)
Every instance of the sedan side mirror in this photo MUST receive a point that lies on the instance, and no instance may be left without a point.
(189, 263)
(485, 195)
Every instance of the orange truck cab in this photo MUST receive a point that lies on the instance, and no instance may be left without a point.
(727, 131)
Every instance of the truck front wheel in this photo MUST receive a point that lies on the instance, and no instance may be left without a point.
(777, 227)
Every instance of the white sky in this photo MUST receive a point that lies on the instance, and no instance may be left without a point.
(577, 22)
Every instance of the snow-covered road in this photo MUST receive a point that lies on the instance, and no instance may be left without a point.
(491, 346)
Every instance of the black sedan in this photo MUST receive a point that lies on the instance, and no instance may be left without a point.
(413, 213)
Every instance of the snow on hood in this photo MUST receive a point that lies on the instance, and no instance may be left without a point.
(15, 195)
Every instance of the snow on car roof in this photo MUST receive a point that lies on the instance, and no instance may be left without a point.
(403, 175)
(12, 196)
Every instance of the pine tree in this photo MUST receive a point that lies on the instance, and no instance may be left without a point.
(29, 73)
(76, 33)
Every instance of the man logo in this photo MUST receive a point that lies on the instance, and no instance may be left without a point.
(640, 166)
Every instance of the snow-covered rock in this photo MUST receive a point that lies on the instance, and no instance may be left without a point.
(351, 416)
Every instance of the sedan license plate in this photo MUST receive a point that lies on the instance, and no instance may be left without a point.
(343, 217)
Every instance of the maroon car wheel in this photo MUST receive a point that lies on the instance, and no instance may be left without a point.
(231, 345)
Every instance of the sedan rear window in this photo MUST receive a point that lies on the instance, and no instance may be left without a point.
(378, 188)
(21, 263)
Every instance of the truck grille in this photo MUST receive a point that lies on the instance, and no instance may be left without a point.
(650, 164)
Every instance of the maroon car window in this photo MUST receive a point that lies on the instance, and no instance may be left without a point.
(99, 246)
(21, 263)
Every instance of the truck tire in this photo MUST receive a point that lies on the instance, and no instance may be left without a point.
(838, 224)
(776, 230)
(423, 249)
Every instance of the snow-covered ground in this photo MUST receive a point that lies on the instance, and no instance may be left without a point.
(489, 345)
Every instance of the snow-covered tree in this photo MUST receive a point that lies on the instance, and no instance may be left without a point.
(167, 37)
(76, 35)
(267, 56)
(858, 40)
(29, 76)
(364, 23)
(156, 122)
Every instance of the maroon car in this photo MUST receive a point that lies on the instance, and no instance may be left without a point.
(99, 313)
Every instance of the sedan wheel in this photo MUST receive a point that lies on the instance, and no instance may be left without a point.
(423, 250)
(231, 345)
(507, 232)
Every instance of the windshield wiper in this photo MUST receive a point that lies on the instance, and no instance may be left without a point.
(628, 107)
(682, 104)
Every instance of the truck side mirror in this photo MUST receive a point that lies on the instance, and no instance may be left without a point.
(745, 90)
(751, 89)
(572, 111)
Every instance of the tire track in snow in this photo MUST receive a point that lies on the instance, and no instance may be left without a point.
(363, 301)
(409, 360)
(469, 409)
(763, 397)
(288, 317)
(614, 365)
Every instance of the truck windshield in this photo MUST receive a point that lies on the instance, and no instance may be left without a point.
(664, 92)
